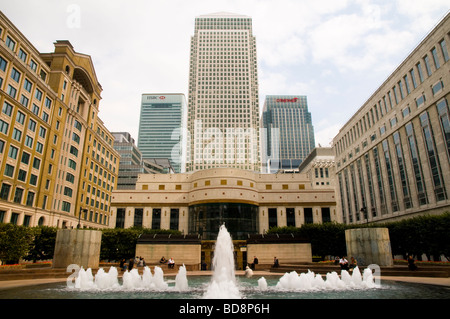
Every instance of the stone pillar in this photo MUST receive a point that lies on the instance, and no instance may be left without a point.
(369, 246)
(77, 246)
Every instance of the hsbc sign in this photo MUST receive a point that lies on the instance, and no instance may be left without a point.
(153, 97)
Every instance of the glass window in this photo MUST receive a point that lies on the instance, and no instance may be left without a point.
(433, 159)
(427, 65)
(435, 58)
(443, 112)
(444, 50)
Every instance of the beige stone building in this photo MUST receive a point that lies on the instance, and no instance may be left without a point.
(56, 156)
(393, 155)
(199, 202)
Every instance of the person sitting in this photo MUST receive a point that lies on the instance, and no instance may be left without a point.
(343, 263)
(171, 263)
(353, 263)
(163, 260)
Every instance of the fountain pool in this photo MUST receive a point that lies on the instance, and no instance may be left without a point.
(224, 284)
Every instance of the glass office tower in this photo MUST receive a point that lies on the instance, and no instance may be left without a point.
(288, 132)
(160, 128)
(223, 117)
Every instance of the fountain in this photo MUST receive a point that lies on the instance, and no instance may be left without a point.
(223, 283)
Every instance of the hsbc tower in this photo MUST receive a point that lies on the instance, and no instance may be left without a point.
(160, 128)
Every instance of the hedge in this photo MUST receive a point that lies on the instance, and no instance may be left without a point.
(426, 234)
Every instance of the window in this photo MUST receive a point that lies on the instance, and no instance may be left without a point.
(444, 50)
(30, 199)
(420, 100)
(427, 65)
(433, 159)
(15, 75)
(273, 218)
(4, 127)
(32, 125)
(70, 178)
(268, 186)
(161, 187)
(4, 192)
(13, 152)
(65, 206)
(38, 95)
(223, 182)
(25, 158)
(3, 64)
(18, 195)
(156, 218)
(20, 117)
(419, 69)
(36, 163)
(174, 218)
(7, 108)
(22, 176)
(435, 58)
(9, 170)
(10, 43)
(443, 112)
(12, 91)
(436, 88)
(22, 55)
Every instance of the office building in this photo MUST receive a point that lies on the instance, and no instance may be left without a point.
(319, 166)
(393, 155)
(247, 202)
(288, 134)
(223, 116)
(58, 166)
(161, 127)
(131, 161)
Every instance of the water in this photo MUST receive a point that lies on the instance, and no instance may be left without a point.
(224, 284)
(249, 288)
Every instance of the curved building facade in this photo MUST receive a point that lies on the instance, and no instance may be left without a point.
(199, 202)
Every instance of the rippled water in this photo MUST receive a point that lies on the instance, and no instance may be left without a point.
(247, 286)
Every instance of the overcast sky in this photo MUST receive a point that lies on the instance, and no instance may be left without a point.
(336, 52)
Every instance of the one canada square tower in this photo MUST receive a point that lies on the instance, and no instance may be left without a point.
(223, 107)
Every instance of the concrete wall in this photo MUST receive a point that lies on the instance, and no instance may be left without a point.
(77, 246)
(369, 246)
(286, 253)
(181, 253)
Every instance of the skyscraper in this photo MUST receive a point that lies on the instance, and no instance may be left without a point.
(223, 116)
(160, 128)
(289, 134)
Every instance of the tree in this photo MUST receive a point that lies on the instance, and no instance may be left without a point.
(43, 245)
(14, 242)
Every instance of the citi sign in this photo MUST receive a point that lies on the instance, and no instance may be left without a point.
(288, 100)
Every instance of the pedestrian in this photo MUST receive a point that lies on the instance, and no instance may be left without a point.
(411, 263)
(255, 262)
(276, 263)
(336, 260)
(130, 264)
(122, 265)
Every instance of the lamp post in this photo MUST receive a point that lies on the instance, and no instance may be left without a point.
(364, 212)
(79, 216)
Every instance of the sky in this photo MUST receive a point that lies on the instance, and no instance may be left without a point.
(336, 52)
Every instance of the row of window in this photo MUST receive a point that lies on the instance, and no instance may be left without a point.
(156, 218)
(395, 95)
(380, 190)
